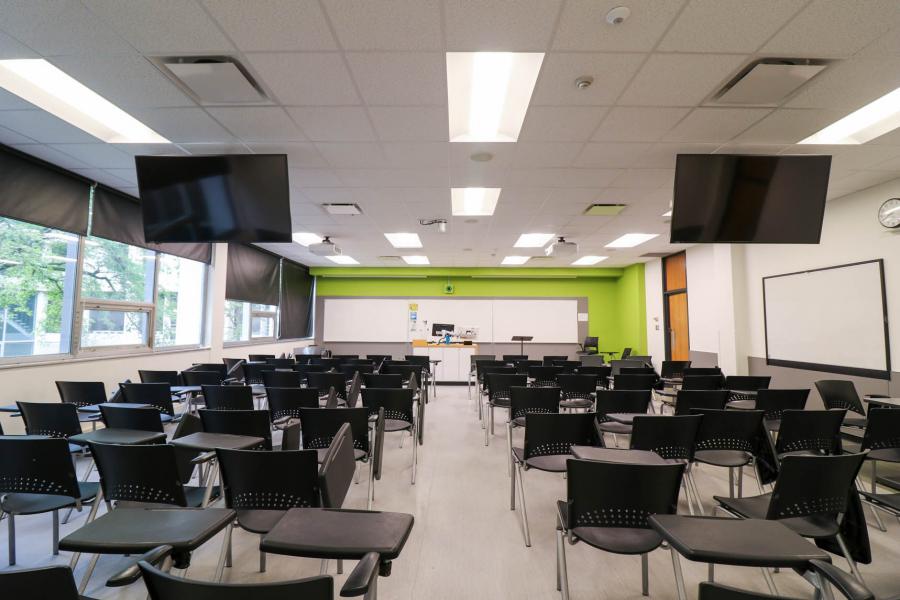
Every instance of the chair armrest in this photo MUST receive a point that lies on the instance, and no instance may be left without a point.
(843, 581)
(132, 573)
(362, 577)
(205, 457)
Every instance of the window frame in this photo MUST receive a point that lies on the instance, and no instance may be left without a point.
(251, 340)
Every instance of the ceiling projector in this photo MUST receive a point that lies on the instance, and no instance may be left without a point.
(561, 248)
(325, 248)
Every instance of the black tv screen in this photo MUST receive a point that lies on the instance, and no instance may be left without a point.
(749, 198)
(227, 198)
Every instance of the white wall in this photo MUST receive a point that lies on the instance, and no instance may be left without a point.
(35, 382)
(656, 343)
(703, 299)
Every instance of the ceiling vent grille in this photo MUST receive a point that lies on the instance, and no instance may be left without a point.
(342, 208)
(655, 254)
(769, 81)
(604, 210)
(214, 80)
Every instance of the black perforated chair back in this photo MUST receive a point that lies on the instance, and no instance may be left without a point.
(774, 402)
(139, 473)
(53, 420)
(345, 357)
(338, 467)
(672, 369)
(816, 431)
(604, 494)
(814, 485)
(545, 376)
(522, 366)
(81, 393)
(702, 371)
(44, 583)
(490, 370)
(239, 422)
(747, 382)
(214, 367)
(533, 400)
(626, 352)
(513, 358)
(327, 364)
(576, 386)
(201, 378)
(670, 437)
(702, 382)
(321, 424)
(568, 366)
(355, 390)
(397, 403)
(498, 384)
(379, 380)
(404, 371)
(122, 417)
(621, 401)
(282, 379)
(379, 358)
(269, 480)
(36, 465)
(324, 381)
(643, 381)
(729, 430)
(170, 377)
(687, 400)
(555, 434)
(253, 372)
(838, 393)
(286, 402)
(228, 397)
(157, 395)
(600, 372)
(882, 430)
(281, 363)
(549, 359)
(259, 357)
(643, 370)
(349, 370)
(420, 360)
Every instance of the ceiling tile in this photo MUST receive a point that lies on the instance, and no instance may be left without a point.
(312, 178)
(307, 78)
(258, 123)
(215, 148)
(637, 124)
(849, 84)
(300, 155)
(51, 155)
(583, 25)
(353, 155)
(400, 78)
(611, 72)
(499, 25)
(61, 27)
(546, 154)
(680, 79)
(104, 177)
(162, 26)
(9, 137)
(273, 25)
(333, 123)
(189, 125)
(610, 155)
(129, 175)
(404, 155)
(9, 101)
(148, 149)
(715, 124)
(788, 126)
(410, 123)
(727, 25)
(662, 156)
(12, 48)
(886, 45)
(42, 127)
(386, 24)
(562, 177)
(645, 178)
(421, 177)
(561, 123)
(827, 28)
(99, 154)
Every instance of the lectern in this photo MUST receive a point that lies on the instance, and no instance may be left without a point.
(522, 339)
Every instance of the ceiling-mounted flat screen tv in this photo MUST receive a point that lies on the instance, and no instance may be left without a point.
(733, 198)
(226, 198)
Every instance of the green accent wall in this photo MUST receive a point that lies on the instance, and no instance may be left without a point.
(616, 304)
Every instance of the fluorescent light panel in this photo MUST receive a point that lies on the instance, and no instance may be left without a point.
(473, 202)
(515, 260)
(305, 239)
(869, 122)
(416, 260)
(45, 86)
(630, 240)
(404, 240)
(343, 259)
(534, 240)
(488, 94)
(589, 260)
(668, 213)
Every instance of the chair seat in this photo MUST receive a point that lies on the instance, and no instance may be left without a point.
(799, 453)
(891, 501)
(723, 458)
(518, 422)
(614, 427)
(32, 504)
(757, 507)
(621, 540)
(885, 454)
(856, 422)
(555, 463)
(194, 495)
(396, 425)
(357, 454)
(747, 404)
(576, 403)
(259, 521)
(499, 402)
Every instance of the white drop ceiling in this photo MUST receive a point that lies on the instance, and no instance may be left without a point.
(359, 105)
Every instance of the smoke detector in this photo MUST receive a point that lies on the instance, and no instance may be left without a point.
(618, 15)
(561, 248)
(325, 248)
(583, 83)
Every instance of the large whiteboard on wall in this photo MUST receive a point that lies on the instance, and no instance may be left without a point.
(832, 317)
(461, 312)
(365, 320)
(549, 321)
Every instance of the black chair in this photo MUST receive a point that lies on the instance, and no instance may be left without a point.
(239, 422)
(591, 345)
(544, 376)
(641, 370)
(513, 358)
(379, 358)
(729, 438)
(824, 572)
(51, 420)
(123, 417)
(282, 379)
(687, 400)
(82, 393)
(882, 440)
(702, 371)
(214, 367)
(231, 363)
(626, 352)
(262, 486)
(548, 444)
(405, 371)
(608, 506)
(810, 497)
(285, 403)
(673, 369)
(345, 357)
(37, 476)
(351, 369)
(253, 372)
(773, 403)
(498, 385)
(568, 366)
(837, 393)
(809, 432)
(228, 397)
(321, 425)
(549, 359)
(529, 400)
(259, 357)
(325, 381)
(739, 384)
(616, 366)
(378, 380)
(578, 391)
(672, 438)
(522, 366)
(170, 377)
(398, 413)
(281, 363)
(602, 373)
(201, 378)
(327, 364)
(702, 382)
(157, 395)
(620, 401)
(628, 381)
(43, 583)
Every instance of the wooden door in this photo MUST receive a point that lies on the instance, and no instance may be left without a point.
(677, 313)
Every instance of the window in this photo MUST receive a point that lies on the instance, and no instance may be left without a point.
(245, 321)
(115, 271)
(179, 302)
(101, 327)
(37, 289)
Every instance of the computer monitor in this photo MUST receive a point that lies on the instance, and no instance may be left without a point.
(440, 328)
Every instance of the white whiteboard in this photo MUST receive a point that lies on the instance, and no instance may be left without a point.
(365, 320)
(463, 313)
(549, 321)
(831, 317)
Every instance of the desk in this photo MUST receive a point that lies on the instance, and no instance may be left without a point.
(206, 442)
(115, 435)
(614, 455)
(94, 409)
(625, 418)
(882, 402)
(454, 360)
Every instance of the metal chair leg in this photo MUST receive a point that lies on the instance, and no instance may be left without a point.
(512, 489)
(645, 575)
(262, 559)
(370, 493)
(875, 514)
(340, 566)
(740, 482)
(488, 431)
(522, 507)
(711, 573)
(853, 566)
(55, 533)
(509, 463)
(223, 552)
(563, 578)
(11, 526)
(679, 576)
(87, 574)
(769, 581)
(415, 459)
(697, 496)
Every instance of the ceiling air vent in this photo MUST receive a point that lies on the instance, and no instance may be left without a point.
(342, 208)
(767, 82)
(213, 79)
(655, 254)
(604, 210)
(393, 260)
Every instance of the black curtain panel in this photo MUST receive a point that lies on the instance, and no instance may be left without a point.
(296, 301)
(252, 275)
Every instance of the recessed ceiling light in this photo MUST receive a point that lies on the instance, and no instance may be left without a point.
(305, 239)
(343, 259)
(474, 201)
(416, 260)
(404, 240)
(869, 122)
(534, 240)
(488, 94)
(630, 240)
(589, 260)
(668, 213)
(515, 260)
(49, 88)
